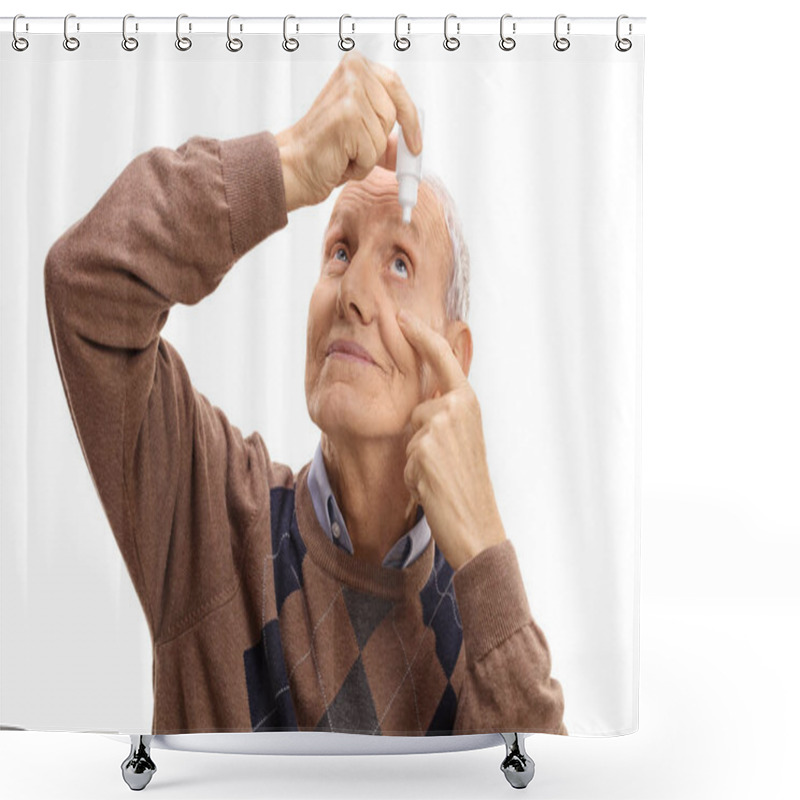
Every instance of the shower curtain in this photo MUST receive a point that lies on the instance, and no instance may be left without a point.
(239, 489)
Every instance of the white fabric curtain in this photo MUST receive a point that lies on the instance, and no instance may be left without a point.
(541, 151)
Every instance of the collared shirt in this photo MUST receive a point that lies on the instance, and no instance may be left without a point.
(404, 552)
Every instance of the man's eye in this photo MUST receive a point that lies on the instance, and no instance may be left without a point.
(400, 267)
(340, 254)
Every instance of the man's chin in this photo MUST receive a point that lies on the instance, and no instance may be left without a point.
(347, 426)
(340, 417)
(341, 408)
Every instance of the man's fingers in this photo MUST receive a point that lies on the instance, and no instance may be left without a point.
(385, 115)
(426, 411)
(370, 144)
(389, 158)
(434, 349)
(380, 100)
(406, 110)
(410, 478)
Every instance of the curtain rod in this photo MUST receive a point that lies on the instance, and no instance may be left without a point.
(326, 25)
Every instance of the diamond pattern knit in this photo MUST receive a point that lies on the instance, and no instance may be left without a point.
(371, 664)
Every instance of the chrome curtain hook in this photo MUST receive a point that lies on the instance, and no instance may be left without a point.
(129, 43)
(19, 43)
(289, 44)
(234, 45)
(561, 43)
(451, 42)
(623, 45)
(345, 43)
(181, 42)
(70, 42)
(401, 42)
(507, 42)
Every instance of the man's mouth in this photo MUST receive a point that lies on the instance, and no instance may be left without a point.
(349, 351)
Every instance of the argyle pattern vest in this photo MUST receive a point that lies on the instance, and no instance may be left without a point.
(339, 659)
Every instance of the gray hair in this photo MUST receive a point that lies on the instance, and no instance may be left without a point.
(457, 292)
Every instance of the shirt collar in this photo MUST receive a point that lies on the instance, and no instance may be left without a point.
(404, 552)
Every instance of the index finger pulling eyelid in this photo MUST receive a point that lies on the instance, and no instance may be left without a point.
(433, 348)
(418, 335)
(410, 324)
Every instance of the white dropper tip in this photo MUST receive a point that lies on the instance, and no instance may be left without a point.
(408, 172)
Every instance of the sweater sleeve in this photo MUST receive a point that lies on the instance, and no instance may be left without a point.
(507, 684)
(177, 481)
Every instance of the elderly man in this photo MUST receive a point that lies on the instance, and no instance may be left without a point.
(375, 590)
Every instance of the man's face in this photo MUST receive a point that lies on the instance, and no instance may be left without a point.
(363, 378)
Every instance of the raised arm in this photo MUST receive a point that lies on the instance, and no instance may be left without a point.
(166, 231)
(177, 481)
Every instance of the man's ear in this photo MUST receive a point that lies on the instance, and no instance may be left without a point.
(460, 338)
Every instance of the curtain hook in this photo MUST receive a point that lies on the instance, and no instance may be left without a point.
(234, 45)
(401, 42)
(183, 43)
(70, 42)
(451, 42)
(345, 43)
(506, 42)
(19, 43)
(561, 43)
(623, 45)
(289, 44)
(129, 43)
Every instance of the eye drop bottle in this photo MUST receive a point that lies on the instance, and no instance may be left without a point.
(408, 172)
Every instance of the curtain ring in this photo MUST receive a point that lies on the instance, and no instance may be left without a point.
(506, 42)
(561, 43)
(451, 42)
(183, 43)
(234, 45)
(345, 43)
(70, 42)
(401, 42)
(19, 43)
(129, 43)
(623, 45)
(289, 44)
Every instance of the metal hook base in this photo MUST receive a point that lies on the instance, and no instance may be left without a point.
(138, 768)
(517, 766)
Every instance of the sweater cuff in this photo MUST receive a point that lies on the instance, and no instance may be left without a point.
(491, 599)
(253, 176)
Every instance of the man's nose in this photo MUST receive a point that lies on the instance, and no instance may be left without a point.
(358, 288)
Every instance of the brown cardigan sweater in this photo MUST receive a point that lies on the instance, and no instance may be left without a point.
(258, 621)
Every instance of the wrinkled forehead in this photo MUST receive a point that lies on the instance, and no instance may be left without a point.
(374, 199)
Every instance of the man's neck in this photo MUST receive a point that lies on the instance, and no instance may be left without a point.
(366, 477)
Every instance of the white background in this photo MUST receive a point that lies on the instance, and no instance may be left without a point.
(720, 530)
